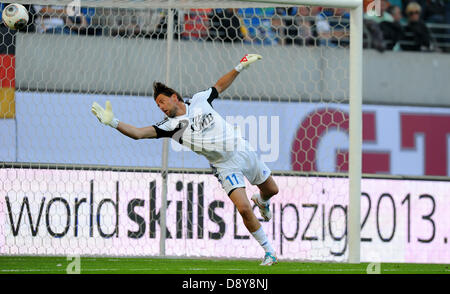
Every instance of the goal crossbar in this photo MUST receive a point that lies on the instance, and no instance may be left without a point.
(326, 3)
(197, 3)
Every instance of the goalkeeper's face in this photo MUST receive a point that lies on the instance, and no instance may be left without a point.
(168, 104)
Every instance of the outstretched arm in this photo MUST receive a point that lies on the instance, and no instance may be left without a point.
(136, 133)
(224, 82)
(106, 116)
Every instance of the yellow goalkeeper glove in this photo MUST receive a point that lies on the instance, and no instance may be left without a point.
(105, 116)
(246, 61)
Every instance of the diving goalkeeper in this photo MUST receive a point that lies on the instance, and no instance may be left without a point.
(197, 125)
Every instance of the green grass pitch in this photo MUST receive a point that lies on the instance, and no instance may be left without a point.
(106, 265)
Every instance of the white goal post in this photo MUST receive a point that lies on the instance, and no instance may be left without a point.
(167, 50)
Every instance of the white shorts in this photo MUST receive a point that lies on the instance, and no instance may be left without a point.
(231, 173)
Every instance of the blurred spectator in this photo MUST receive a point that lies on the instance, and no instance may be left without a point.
(339, 20)
(434, 11)
(431, 10)
(49, 18)
(258, 28)
(300, 25)
(278, 30)
(392, 29)
(375, 36)
(125, 23)
(293, 10)
(148, 21)
(322, 26)
(94, 21)
(372, 21)
(396, 13)
(161, 28)
(282, 11)
(77, 23)
(329, 25)
(422, 4)
(447, 21)
(299, 28)
(226, 26)
(56, 20)
(447, 13)
(342, 12)
(196, 24)
(417, 37)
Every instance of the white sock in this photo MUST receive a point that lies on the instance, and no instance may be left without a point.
(262, 239)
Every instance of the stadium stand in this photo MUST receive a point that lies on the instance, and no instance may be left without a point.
(392, 30)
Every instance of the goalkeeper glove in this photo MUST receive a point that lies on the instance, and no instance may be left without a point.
(246, 61)
(105, 116)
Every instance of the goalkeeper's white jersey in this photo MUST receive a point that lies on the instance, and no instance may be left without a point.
(203, 130)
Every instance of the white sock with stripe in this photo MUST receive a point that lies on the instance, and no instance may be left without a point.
(262, 239)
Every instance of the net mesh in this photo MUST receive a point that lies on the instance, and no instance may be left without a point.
(71, 185)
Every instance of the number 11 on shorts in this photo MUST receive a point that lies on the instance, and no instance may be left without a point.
(231, 181)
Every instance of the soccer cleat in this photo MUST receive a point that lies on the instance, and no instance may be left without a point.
(263, 209)
(269, 259)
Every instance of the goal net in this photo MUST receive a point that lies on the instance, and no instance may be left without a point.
(69, 185)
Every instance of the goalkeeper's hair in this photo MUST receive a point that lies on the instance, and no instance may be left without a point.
(160, 88)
